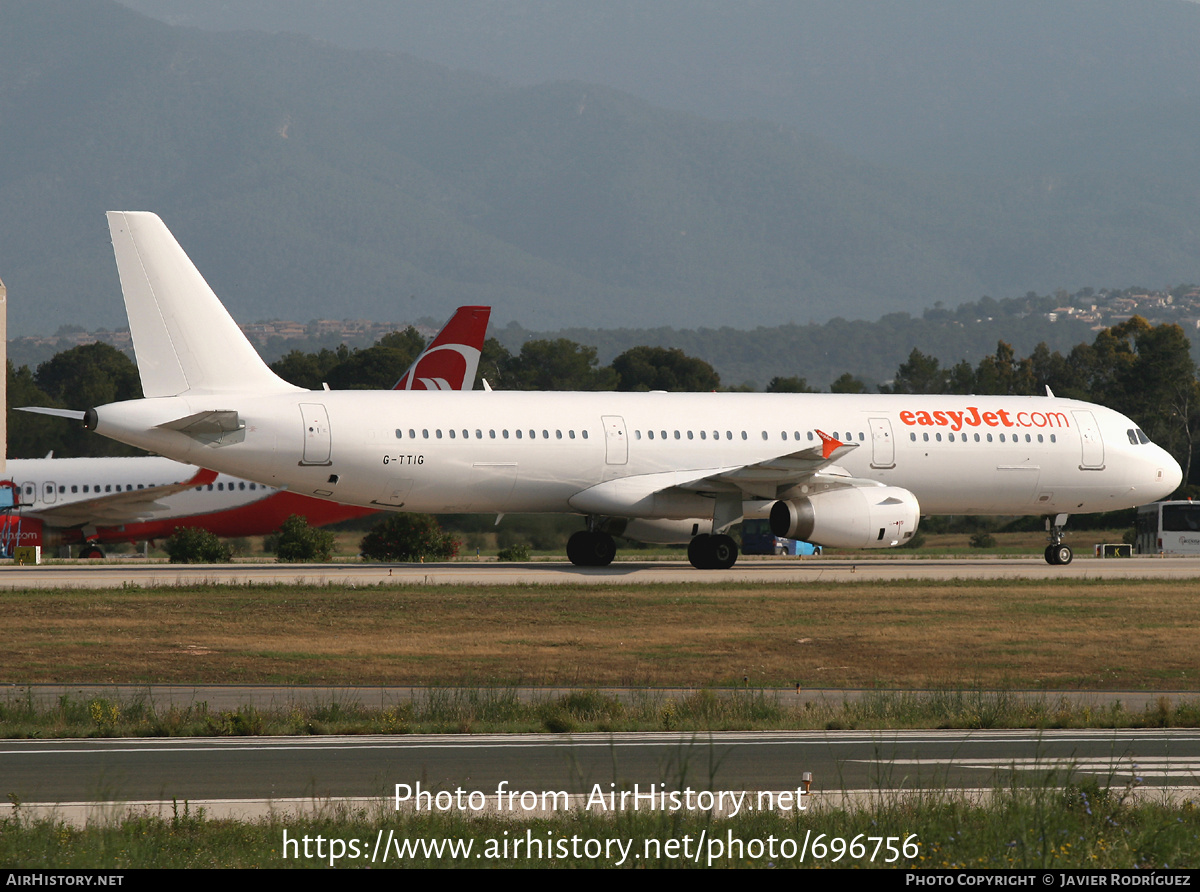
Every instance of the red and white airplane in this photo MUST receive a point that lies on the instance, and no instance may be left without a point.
(96, 501)
(833, 469)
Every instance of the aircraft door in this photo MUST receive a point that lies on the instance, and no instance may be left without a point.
(316, 434)
(883, 447)
(49, 493)
(616, 443)
(1092, 444)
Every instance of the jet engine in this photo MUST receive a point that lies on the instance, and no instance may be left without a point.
(852, 517)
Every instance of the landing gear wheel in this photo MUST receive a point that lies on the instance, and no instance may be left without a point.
(591, 549)
(91, 552)
(723, 552)
(1059, 555)
(698, 552)
(712, 552)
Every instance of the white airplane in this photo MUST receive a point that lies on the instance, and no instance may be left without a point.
(682, 463)
(97, 501)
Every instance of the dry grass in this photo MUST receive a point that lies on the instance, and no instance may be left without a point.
(1089, 635)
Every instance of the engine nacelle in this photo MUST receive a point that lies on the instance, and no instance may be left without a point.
(853, 517)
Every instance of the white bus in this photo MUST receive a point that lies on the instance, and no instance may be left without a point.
(1169, 528)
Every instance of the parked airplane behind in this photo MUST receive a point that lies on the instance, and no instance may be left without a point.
(833, 469)
(97, 501)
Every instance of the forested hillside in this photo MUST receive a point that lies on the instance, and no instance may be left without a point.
(312, 181)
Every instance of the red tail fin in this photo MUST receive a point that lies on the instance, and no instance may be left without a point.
(452, 358)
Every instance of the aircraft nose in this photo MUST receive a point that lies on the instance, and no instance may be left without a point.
(1168, 473)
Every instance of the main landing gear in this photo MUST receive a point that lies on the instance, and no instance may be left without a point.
(591, 548)
(717, 552)
(91, 552)
(1057, 553)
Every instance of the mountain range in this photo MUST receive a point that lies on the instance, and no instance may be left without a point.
(310, 180)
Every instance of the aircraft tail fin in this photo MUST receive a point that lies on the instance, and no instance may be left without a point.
(452, 358)
(184, 338)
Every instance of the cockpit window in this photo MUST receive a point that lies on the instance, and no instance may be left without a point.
(1142, 438)
(1132, 434)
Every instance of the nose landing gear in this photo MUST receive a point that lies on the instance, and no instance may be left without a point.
(1057, 553)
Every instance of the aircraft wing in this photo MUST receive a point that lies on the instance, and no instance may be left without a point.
(650, 494)
(765, 479)
(113, 509)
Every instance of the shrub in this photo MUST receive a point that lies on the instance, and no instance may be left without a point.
(297, 542)
(513, 553)
(983, 540)
(408, 538)
(189, 545)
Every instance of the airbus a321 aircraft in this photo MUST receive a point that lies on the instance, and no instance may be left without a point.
(96, 501)
(833, 469)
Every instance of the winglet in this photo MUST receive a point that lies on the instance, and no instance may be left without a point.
(452, 358)
(829, 444)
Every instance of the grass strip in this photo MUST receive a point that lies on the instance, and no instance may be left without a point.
(910, 634)
(498, 710)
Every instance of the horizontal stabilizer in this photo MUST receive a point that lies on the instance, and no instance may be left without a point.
(76, 414)
(216, 428)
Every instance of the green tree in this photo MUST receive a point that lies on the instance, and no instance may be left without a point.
(408, 538)
(560, 364)
(90, 375)
(79, 378)
(192, 545)
(494, 363)
(663, 368)
(1003, 373)
(299, 543)
(792, 384)
(847, 383)
(32, 436)
(918, 374)
(309, 370)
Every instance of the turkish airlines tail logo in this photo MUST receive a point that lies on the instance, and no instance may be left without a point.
(452, 359)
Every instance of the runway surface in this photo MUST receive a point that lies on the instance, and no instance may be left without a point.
(110, 574)
(248, 773)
